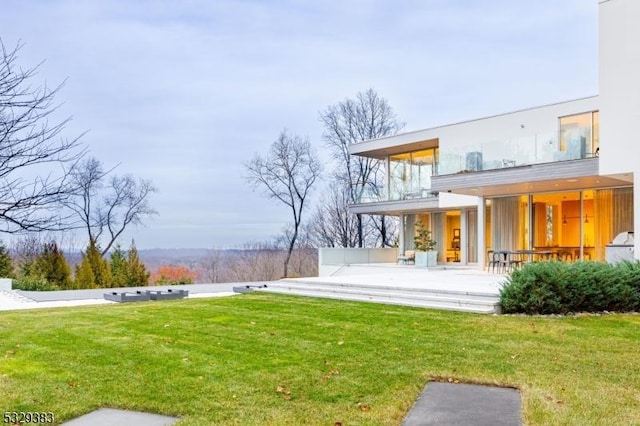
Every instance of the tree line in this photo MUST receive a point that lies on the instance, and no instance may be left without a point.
(35, 265)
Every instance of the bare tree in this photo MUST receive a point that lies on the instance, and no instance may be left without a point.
(106, 205)
(287, 173)
(34, 158)
(332, 225)
(304, 258)
(386, 228)
(256, 261)
(213, 263)
(366, 117)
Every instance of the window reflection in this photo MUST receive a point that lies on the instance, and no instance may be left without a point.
(410, 174)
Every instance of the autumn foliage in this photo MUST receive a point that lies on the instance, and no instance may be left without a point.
(171, 275)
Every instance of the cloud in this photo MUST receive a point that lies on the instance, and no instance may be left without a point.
(184, 92)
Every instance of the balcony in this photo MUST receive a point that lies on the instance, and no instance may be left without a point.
(410, 174)
(567, 144)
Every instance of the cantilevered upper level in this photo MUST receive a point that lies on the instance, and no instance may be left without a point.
(523, 151)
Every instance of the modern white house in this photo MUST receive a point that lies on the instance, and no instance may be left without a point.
(560, 178)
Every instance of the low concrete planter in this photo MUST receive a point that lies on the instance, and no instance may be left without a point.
(5, 283)
(247, 288)
(167, 295)
(138, 296)
(426, 259)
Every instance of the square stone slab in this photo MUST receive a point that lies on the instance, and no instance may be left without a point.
(465, 405)
(111, 417)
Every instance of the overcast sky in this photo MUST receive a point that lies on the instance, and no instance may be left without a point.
(184, 92)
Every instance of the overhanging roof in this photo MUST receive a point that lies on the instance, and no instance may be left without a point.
(380, 148)
(395, 207)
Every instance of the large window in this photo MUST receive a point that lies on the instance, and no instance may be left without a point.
(410, 174)
(569, 225)
(580, 135)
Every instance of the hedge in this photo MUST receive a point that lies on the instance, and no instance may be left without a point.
(562, 288)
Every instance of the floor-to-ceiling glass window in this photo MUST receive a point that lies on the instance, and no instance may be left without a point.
(487, 227)
(579, 225)
(399, 176)
(579, 136)
(410, 174)
(452, 236)
(505, 223)
(613, 214)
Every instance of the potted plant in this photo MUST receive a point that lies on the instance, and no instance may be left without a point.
(426, 255)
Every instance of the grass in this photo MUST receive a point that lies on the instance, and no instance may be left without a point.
(270, 359)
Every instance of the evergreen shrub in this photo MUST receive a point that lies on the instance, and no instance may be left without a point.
(33, 283)
(562, 288)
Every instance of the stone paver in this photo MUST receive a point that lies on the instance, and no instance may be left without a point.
(112, 417)
(465, 405)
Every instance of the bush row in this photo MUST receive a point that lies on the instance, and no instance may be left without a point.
(561, 288)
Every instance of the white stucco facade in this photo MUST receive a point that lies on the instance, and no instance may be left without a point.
(527, 154)
(620, 95)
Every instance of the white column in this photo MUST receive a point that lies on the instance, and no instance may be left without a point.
(464, 238)
(481, 233)
(401, 232)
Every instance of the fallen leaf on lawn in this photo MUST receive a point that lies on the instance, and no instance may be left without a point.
(185, 359)
(364, 407)
(514, 356)
(329, 375)
(279, 389)
(326, 362)
(252, 323)
(337, 424)
(287, 397)
(166, 325)
(341, 342)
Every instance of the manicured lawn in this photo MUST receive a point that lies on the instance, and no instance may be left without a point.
(268, 359)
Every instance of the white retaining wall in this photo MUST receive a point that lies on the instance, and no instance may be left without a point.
(332, 259)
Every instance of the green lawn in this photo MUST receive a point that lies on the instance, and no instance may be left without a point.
(269, 359)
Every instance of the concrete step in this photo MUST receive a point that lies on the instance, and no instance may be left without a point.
(413, 289)
(409, 296)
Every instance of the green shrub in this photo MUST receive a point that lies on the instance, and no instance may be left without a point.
(561, 288)
(34, 283)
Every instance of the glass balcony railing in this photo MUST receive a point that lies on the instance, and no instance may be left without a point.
(410, 179)
(569, 144)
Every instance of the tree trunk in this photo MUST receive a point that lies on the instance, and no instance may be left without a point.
(383, 231)
(360, 239)
(292, 243)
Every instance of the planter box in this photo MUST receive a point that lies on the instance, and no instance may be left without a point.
(5, 283)
(138, 296)
(167, 295)
(426, 259)
(247, 288)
